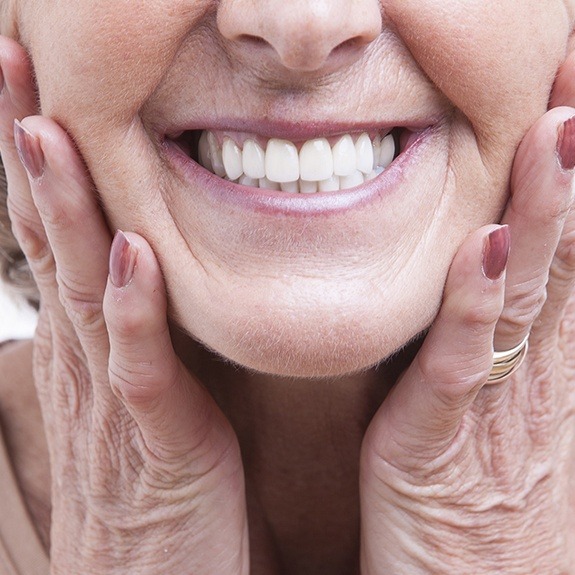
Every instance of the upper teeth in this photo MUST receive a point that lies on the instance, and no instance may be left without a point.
(317, 166)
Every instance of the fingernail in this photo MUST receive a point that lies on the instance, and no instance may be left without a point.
(566, 144)
(1, 81)
(122, 260)
(496, 253)
(29, 150)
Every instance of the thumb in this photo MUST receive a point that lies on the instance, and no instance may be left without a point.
(422, 414)
(177, 417)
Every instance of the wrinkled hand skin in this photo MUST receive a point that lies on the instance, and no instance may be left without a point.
(146, 472)
(479, 479)
(457, 476)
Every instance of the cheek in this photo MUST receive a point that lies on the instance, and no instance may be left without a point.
(493, 60)
(101, 59)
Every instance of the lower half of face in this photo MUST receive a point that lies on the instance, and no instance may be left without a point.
(300, 284)
(312, 273)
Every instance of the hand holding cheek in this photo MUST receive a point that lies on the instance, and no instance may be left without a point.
(461, 476)
(142, 458)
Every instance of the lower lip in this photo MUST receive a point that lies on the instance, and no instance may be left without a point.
(285, 203)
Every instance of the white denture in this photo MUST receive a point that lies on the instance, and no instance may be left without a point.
(309, 167)
(344, 156)
(232, 158)
(254, 160)
(281, 161)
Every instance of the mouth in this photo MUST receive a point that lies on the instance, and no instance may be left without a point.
(322, 164)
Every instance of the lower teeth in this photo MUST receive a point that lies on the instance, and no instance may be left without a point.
(333, 184)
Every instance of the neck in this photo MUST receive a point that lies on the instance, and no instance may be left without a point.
(300, 441)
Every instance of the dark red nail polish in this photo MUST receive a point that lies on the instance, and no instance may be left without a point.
(29, 150)
(566, 144)
(496, 253)
(122, 260)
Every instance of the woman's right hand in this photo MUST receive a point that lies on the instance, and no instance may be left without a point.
(146, 471)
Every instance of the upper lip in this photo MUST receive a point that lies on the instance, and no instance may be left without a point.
(297, 131)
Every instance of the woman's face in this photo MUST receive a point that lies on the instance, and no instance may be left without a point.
(299, 283)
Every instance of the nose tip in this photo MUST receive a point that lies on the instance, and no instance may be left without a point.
(302, 35)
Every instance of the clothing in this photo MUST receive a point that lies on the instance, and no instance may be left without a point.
(21, 552)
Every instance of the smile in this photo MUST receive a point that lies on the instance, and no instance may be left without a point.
(326, 164)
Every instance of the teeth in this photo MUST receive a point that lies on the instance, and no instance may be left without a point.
(306, 187)
(232, 158)
(372, 175)
(344, 156)
(329, 185)
(289, 187)
(376, 151)
(268, 184)
(355, 179)
(215, 156)
(253, 160)
(387, 151)
(364, 154)
(315, 160)
(247, 181)
(282, 162)
(204, 152)
(316, 167)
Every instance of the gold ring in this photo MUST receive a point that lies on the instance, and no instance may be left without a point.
(507, 362)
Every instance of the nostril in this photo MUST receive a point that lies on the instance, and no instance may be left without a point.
(302, 34)
(350, 44)
(255, 40)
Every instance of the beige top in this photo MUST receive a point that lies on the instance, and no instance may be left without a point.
(21, 552)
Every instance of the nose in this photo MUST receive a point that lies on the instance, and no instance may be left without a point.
(303, 35)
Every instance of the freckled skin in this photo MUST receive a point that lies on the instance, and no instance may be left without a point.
(299, 296)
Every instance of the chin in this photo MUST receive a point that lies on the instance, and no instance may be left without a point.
(320, 342)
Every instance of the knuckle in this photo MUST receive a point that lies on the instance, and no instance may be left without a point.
(36, 249)
(24, 226)
(133, 382)
(523, 308)
(83, 308)
(55, 216)
(480, 317)
(454, 377)
(563, 267)
(69, 383)
(129, 322)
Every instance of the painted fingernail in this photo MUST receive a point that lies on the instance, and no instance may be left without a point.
(566, 144)
(122, 260)
(496, 253)
(29, 150)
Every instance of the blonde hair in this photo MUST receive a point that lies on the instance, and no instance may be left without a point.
(14, 269)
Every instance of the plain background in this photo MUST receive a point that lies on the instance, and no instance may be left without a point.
(17, 319)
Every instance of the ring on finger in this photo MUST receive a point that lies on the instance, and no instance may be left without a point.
(507, 362)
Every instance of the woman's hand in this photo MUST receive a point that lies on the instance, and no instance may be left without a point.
(147, 472)
(461, 476)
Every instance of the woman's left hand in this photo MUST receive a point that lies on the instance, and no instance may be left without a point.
(463, 476)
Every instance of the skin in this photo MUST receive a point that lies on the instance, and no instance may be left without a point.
(439, 454)
(416, 70)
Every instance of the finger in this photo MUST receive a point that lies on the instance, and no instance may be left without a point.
(563, 93)
(17, 99)
(75, 227)
(71, 269)
(174, 413)
(561, 285)
(423, 413)
(541, 196)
